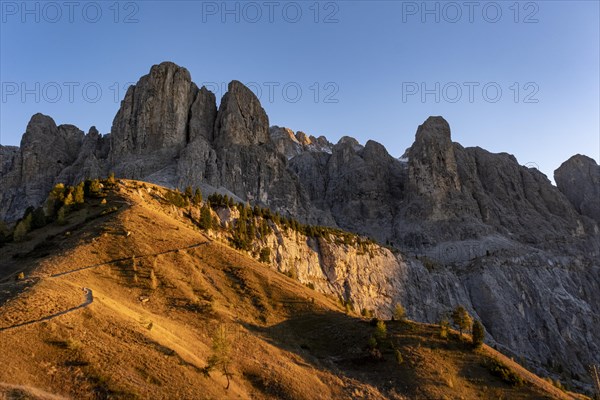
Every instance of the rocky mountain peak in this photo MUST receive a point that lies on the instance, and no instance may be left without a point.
(151, 126)
(432, 164)
(241, 119)
(578, 179)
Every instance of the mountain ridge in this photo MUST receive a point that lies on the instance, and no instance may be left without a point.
(483, 230)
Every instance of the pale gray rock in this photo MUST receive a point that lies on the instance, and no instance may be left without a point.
(151, 126)
(241, 119)
(579, 179)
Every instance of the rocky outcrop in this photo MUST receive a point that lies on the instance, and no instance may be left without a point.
(46, 149)
(579, 179)
(151, 126)
(241, 119)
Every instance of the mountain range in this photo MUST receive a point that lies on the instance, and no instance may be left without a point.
(462, 225)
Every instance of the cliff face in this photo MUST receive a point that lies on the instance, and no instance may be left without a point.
(534, 305)
(473, 227)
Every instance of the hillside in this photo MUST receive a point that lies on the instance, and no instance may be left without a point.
(124, 301)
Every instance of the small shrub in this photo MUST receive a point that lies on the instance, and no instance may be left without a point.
(502, 371)
(399, 312)
(380, 331)
(398, 357)
(265, 255)
(61, 217)
(22, 229)
(444, 327)
(366, 313)
(372, 342)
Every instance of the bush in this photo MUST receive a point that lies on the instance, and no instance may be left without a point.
(398, 357)
(176, 198)
(265, 255)
(444, 327)
(399, 312)
(22, 229)
(380, 331)
(505, 373)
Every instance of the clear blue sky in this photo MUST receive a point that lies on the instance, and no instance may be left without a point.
(371, 58)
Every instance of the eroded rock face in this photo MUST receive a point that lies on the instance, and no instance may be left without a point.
(151, 126)
(46, 149)
(241, 119)
(579, 179)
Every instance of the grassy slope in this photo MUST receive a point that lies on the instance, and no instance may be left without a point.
(134, 341)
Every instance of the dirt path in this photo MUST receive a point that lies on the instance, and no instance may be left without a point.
(89, 299)
(89, 296)
(128, 258)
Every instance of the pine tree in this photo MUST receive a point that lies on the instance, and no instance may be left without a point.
(205, 217)
(22, 229)
(188, 192)
(61, 216)
(197, 199)
(461, 319)
(38, 218)
(221, 356)
(79, 194)
(478, 334)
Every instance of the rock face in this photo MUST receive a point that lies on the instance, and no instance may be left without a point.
(151, 127)
(472, 227)
(29, 173)
(579, 179)
(241, 119)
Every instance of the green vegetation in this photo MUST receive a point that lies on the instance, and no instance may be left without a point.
(205, 217)
(380, 331)
(398, 356)
(478, 334)
(22, 229)
(444, 328)
(221, 354)
(502, 371)
(461, 319)
(265, 255)
(399, 313)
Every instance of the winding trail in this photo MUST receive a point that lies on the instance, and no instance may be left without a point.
(128, 258)
(89, 299)
(89, 295)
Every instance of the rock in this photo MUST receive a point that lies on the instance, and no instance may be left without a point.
(46, 149)
(579, 179)
(151, 126)
(241, 119)
(203, 114)
(432, 169)
(285, 142)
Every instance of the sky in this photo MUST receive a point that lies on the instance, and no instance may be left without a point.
(515, 77)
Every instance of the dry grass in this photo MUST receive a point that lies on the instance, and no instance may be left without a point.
(145, 337)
